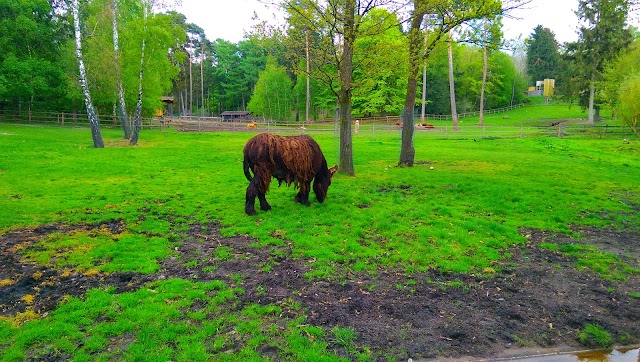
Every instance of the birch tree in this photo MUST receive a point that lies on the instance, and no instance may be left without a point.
(484, 75)
(447, 15)
(491, 39)
(91, 114)
(159, 36)
(138, 111)
(452, 86)
(121, 108)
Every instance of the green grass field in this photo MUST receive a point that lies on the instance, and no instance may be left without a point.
(459, 209)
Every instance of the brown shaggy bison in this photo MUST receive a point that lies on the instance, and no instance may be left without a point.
(292, 159)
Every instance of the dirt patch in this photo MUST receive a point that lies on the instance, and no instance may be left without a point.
(538, 298)
(29, 286)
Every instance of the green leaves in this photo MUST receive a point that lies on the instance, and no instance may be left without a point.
(629, 102)
(272, 95)
(542, 55)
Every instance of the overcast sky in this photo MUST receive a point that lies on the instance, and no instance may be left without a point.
(228, 19)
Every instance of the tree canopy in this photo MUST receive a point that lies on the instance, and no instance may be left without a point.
(38, 68)
(543, 57)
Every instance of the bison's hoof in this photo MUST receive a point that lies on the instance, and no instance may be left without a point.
(251, 212)
(265, 208)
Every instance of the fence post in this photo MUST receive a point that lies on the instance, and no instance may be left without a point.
(521, 131)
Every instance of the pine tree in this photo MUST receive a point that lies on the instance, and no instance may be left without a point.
(603, 37)
(542, 55)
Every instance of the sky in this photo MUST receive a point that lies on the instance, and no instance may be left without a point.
(229, 19)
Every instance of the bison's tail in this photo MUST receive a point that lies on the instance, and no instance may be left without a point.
(246, 165)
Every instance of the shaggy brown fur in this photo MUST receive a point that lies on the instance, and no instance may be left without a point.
(292, 159)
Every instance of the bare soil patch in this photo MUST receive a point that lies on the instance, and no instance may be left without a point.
(538, 298)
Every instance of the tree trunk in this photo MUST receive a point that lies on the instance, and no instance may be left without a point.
(91, 114)
(484, 75)
(308, 95)
(407, 150)
(452, 88)
(424, 76)
(190, 82)
(202, 79)
(121, 109)
(592, 94)
(346, 88)
(138, 114)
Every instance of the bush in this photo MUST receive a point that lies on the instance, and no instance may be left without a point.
(629, 103)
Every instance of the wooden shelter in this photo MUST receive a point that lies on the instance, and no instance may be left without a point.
(236, 116)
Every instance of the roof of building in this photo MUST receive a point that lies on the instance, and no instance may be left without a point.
(235, 113)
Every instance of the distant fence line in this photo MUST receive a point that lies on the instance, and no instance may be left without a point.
(368, 126)
(68, 119)
(80, 119)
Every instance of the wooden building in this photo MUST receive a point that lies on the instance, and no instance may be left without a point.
(236, 116)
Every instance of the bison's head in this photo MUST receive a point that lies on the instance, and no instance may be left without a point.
(322, 182)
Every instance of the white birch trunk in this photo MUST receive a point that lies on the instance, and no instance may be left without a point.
(424, 76)
(121, 108)
(308, 95)
(138, 113)
(202, 79)
(452, 90)
(484, 76)
(91, 114)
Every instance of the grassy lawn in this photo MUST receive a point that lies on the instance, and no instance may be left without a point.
(458, 210)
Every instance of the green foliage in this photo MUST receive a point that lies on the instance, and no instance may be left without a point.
(594, 336)
(272, 95)
(236, 72)
(602, 38)
(503, 82)
(29, 74)
(619, 70)
(161, 37)
(381, 80)
(629, 102)
(542, 55)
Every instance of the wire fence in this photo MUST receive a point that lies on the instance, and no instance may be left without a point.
(438, 128)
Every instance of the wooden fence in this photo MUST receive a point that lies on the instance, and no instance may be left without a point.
(64, 119)
(369, 127)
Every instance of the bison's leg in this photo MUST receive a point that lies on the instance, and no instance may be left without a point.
(258, 188)
(252, 192)
(264, 205)
(303, 195)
